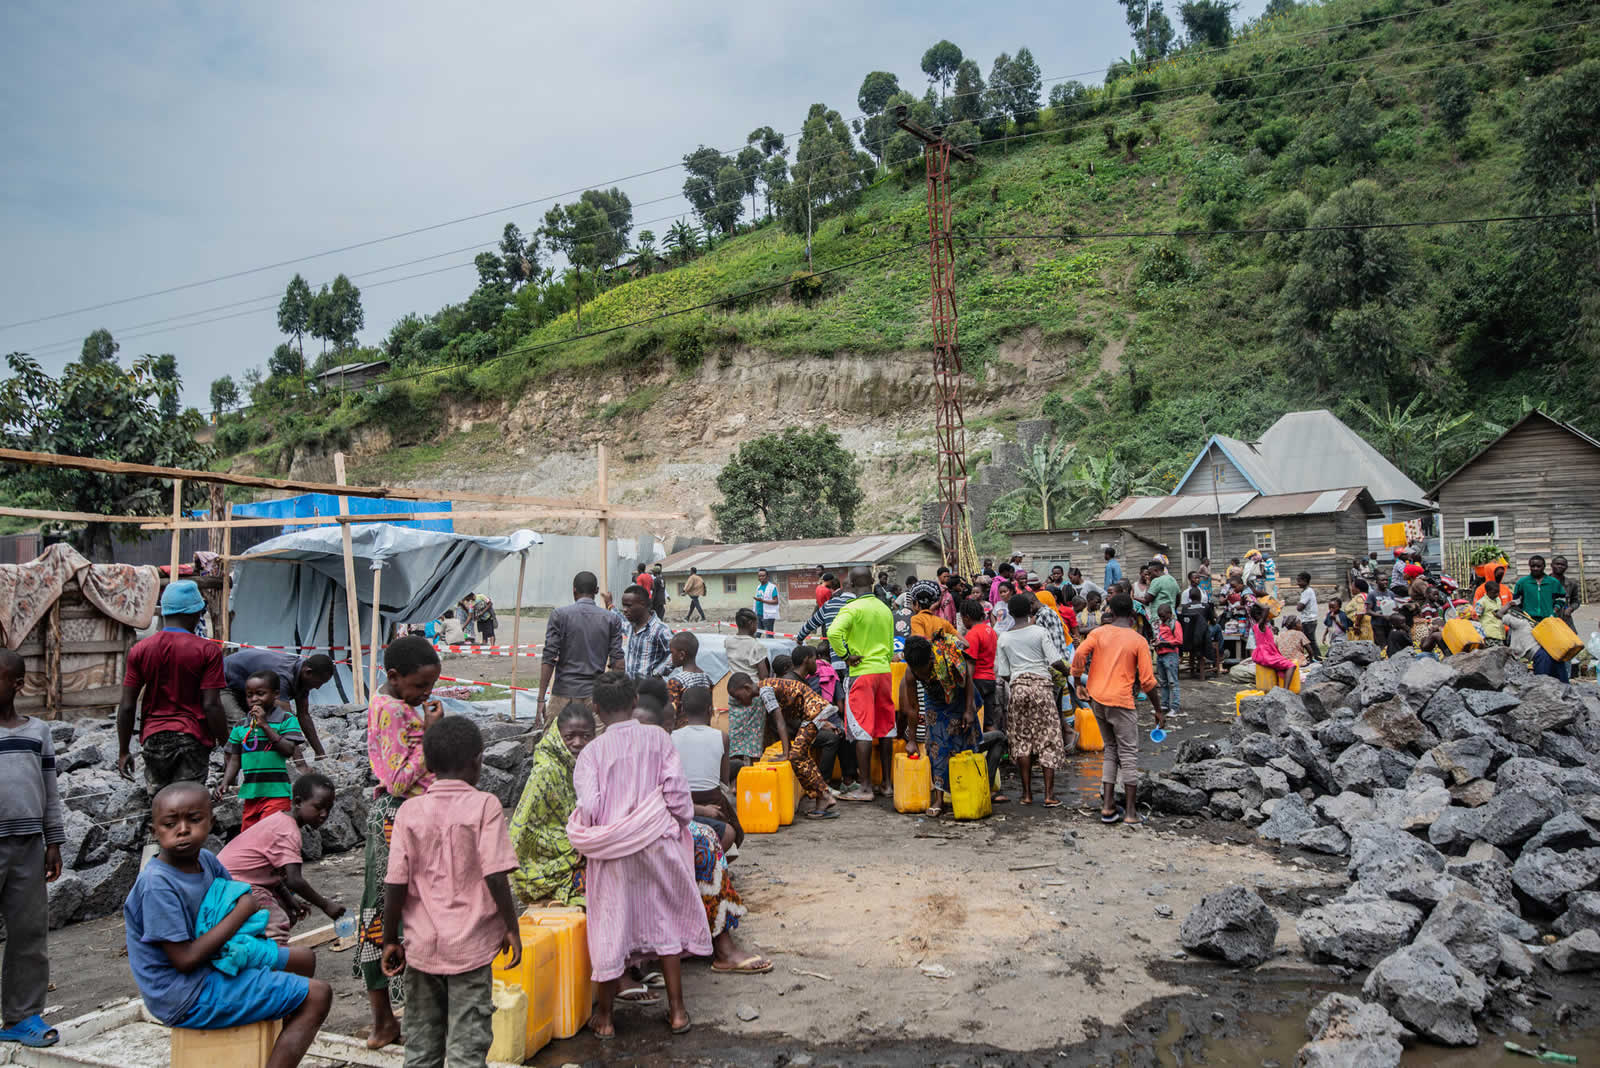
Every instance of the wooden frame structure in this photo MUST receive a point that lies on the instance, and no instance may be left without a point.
(518, 508)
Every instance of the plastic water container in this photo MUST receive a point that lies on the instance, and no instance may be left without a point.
(757, 799)
(1157, 735)
(345, 926)
(1238, 698)
(536, 977)
(913, 783)
(1557, 639)
(1460, 635)
(1593, 644)
(509, 1024)
(1088, 728)
(574, 985)
(897, 672)
(788, 790)
(877, 760)
(1267, 679)
(970, 797)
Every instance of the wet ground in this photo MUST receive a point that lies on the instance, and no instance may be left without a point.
(1034, 937)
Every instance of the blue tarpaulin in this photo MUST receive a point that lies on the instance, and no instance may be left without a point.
(309, 505)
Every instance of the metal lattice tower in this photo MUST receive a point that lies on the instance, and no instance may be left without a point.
(951, 430)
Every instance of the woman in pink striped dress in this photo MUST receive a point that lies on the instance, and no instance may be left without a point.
(632, 824)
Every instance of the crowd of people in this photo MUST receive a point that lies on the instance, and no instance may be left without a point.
(628, 809)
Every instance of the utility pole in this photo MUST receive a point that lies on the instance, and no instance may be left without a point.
(951, 431)
(808, 224)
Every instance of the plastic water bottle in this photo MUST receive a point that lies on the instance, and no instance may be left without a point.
(345, 926)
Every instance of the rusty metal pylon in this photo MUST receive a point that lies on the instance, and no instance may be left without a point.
(951, 430)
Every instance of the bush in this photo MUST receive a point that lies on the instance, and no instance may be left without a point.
(688, 348)
(805, 287)
(1165, 264)
(233, 437)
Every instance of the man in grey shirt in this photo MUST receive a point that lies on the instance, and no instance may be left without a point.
(581, 641)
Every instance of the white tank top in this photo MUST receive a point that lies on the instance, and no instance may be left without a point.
(700, 750)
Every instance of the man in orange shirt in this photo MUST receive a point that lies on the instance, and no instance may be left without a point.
(1118, 660)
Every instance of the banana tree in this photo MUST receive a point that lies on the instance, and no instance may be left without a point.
(1101, 481)
(1046, 472)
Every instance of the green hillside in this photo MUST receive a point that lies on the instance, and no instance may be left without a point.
(1340, 115)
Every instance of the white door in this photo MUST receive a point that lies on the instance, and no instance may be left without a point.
(1196, 547)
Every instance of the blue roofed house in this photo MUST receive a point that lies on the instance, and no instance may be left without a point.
(1311, 492)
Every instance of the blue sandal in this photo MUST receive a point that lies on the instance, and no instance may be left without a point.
(32, 1032)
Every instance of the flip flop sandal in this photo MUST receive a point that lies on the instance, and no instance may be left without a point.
(32, 1031)
(1135, 822)
(1024, 800)
(749, 966)
(825, 814)
(1054, 802)
(655, 980)
(999, 799)
(601, 1037)
(687, 1024)
(1115, 817)
(933, 812)
(639, 995)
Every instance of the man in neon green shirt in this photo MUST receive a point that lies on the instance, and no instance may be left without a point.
(863, 634)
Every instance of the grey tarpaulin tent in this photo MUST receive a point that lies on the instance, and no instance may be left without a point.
(290, 591)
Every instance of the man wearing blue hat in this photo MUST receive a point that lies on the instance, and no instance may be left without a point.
(179, 676)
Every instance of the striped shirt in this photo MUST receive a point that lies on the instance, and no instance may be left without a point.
(647, 650)
(264, 771)
(822, 619)
(29, 801)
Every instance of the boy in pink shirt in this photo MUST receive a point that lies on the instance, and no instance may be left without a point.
(267, 856)
(447, 885)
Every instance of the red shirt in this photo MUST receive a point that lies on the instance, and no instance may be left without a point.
(824, 594)
(981, 644)
(172, 667)
(648, 581)
(1069, 619)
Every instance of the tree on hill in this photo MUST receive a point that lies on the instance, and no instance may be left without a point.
(797, 484)
(100, 410)
(1452, 102)
(294, 311)
(285, 362)
(749, 161)
(683, 242)
(967, 104)
(877, 90)
(1152, 30)
(575, 230)
(729, 202)
(827, 168)
(774, 171)
(1344, 306)
(99, 347)
(940, 64)
(1046, 475)
(164, 369)
(336, 314)
(1208, 23)
(224, 395)
(701, 168)
(519, 256)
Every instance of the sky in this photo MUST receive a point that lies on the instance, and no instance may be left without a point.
(157, 145)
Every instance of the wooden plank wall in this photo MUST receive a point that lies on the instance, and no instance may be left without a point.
(1543, 484)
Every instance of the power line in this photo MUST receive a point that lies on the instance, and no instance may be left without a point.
(1062, 237)
(1369, 59)
(640, 174)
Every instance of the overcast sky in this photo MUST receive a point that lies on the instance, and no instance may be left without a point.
(153, 145)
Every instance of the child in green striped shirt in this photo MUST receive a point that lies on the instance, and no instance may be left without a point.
(262, 747)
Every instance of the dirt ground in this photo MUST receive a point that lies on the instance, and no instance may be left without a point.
(1023, 932)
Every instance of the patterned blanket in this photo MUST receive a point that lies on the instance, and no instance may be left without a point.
(123, 592)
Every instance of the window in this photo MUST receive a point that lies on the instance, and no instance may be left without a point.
(1264, 540)
(730, 583)
(1487, 529)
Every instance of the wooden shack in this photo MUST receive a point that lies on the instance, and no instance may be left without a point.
(1534, 489)
(1318, 531)
(74, 641)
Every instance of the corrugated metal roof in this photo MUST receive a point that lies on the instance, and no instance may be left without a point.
(1240, 505)
(792, 555)
(1312, 451)
(1135, 508)
(1312, 503)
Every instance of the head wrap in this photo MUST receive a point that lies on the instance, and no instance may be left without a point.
(925, 591)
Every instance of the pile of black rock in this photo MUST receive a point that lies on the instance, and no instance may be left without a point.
(1466, 797)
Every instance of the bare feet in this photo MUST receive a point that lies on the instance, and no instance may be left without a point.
(384, 1034)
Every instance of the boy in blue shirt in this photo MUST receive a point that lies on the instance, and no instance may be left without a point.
(173, 967)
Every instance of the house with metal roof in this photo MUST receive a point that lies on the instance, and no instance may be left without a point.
(1531, 490)
(729, 571)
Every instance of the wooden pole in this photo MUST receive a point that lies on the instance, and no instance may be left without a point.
(1583, 575)
(377, 631)
(602, 496)
(510, 515)
(177, 517)
(288, 485)
(227, 574)
(516, 629)
(351, 604)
